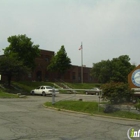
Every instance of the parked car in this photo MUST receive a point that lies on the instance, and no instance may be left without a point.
(93, 91)
(44, 90)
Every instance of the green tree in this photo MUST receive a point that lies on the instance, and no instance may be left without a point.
(60, 62)
(10, 67)
(21, 47)
(121, 67)
(102, 71)
(115, 70)
(117, 92)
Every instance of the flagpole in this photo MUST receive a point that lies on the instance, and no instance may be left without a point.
(81, 62)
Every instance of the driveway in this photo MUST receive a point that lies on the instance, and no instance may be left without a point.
(27, 119)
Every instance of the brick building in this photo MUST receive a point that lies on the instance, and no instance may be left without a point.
(40, 73)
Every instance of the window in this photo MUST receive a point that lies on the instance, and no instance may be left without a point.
(47, 58)
(48, 87)
(73, 75)
(42, 88)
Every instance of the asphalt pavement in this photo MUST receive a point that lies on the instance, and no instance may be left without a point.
(28, 119)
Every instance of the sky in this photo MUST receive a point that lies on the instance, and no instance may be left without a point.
(107, 29)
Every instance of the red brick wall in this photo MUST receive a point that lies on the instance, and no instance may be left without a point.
(40, 73)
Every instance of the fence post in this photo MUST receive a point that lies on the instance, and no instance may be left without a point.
(53, 96)
(99, 100)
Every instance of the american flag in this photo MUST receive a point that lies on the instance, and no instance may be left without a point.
(80, 47)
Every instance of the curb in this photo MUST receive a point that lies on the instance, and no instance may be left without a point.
(94, 115)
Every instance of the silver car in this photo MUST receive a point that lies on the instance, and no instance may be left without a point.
(93, 91)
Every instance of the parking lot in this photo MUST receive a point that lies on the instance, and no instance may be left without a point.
(27, 119)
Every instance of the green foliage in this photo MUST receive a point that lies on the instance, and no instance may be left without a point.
(115, 70)
(7, 95)
(60, 62)
(137, 105)
(90, 107)
(121, 67)
(11, 67)
(117, 92)
(102, 71)
(21, 47)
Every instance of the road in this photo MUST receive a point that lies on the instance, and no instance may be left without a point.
(27, 119)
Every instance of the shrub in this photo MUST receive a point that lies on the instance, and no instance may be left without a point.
(137, 105)
(117, 92)
(110, 108)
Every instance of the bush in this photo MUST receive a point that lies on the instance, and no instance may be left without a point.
(137, 105)
(110, 109)
(117, 92)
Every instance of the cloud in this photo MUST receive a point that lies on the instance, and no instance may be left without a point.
(107, 28)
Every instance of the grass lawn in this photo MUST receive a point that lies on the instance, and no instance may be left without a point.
(87, 107)
(83, 85)
(91, 108)
(28, 86)
(7, 95)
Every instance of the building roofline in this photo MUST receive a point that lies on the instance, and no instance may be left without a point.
(46, 50)
(80, 66)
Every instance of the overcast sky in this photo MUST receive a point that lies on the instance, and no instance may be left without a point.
(107, 28)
